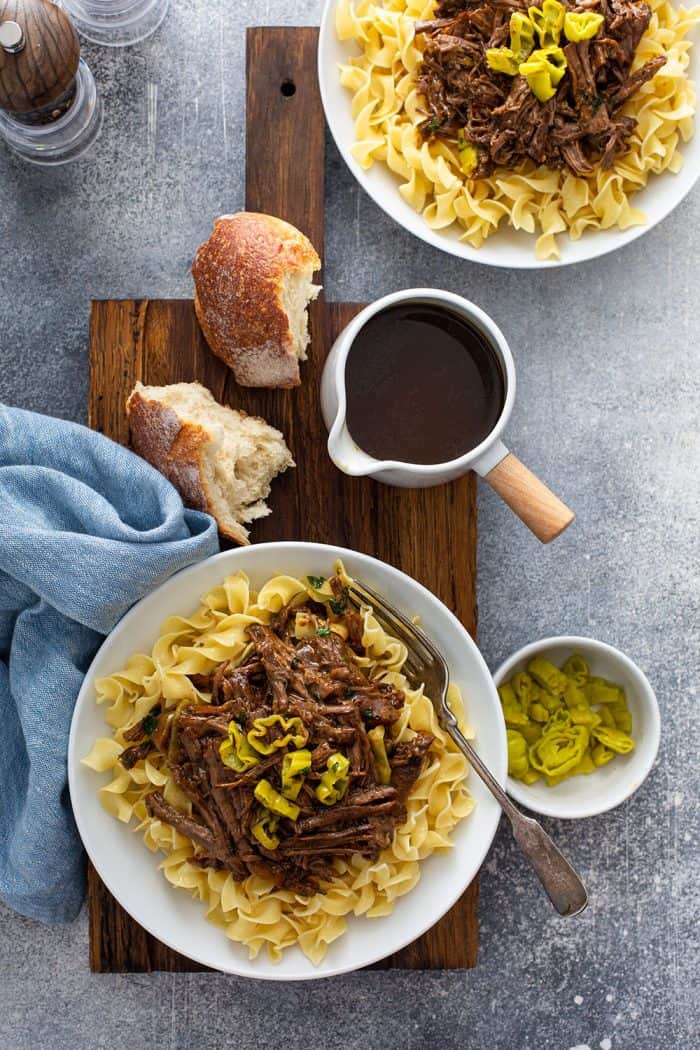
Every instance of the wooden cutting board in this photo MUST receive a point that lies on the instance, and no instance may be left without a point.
(429, 533)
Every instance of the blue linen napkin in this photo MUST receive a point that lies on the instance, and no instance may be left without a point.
(86, 529)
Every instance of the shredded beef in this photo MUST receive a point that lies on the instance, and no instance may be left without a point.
(318, 680)
(579, 128)
(132, 755)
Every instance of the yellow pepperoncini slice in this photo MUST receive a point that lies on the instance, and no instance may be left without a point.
(295, 766)
(532, 731)
(613, 739)
(502, 60)
(294, 730)
(606, 716)
(381, 759)
(581, 25)
(525, 689)
(236, 752)
(518, 761)
(467, 154)
(582, 715)
(621, 715)
(601, 755)
(573, 696)
(548, 21)
(585, 766)
(522, 35)
(539, 713)
(561, 746)
(545, 673)
(577, 670)
(334, 782)
(513, 712)
(264, 829)
(549, 701)
(276, 803)
(600, 691)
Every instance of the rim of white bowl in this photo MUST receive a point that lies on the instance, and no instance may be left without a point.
(652, 726)
(591, 248)
(85, 829)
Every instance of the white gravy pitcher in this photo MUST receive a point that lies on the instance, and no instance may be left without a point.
(531, 500)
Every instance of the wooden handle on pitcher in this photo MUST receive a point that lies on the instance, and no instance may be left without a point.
(535, 504)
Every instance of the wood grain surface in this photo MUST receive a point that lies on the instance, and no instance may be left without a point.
(429, 533)
(534, 503)
(42, 74)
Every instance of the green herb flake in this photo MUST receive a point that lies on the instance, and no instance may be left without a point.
(368, 712)
(323, 631)
(149, 724)
(594, 101)
(316, 582)
(294, 663)
(316, 693)
(434, 124)
(339, 605)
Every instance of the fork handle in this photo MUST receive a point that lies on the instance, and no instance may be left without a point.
(562, 885)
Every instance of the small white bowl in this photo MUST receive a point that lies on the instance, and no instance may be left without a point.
(609, 786)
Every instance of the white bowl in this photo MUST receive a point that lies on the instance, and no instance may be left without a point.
(507, 247)
(609, 786)
(130, 871)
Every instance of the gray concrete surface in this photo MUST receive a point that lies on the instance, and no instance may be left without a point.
(607, 413)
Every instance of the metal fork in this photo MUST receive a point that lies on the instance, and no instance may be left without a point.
(425, 664)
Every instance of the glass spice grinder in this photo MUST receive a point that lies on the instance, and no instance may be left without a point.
(50, 112)
(116, 23)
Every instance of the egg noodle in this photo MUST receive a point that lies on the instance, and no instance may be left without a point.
(386, 108)
(253, 911)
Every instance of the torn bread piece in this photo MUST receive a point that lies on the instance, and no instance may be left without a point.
(253, 283)
(219, 459)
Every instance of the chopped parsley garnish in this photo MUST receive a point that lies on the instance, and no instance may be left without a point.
(149, 724)
(323, 631)
(368, 712)
(339, 605)
(434, 124)
(294, 663)
(316, 582)
(595, 101)
(315, 692)
(241, 718)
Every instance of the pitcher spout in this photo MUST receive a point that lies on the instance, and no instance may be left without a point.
(346, 455)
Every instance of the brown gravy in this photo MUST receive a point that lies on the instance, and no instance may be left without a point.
(423, 385)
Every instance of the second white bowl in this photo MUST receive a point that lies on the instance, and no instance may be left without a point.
(609, 786)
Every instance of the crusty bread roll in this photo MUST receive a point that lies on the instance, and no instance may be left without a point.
(220, 460)
(252, 287)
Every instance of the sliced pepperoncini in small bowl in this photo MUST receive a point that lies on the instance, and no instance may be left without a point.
(582, 725)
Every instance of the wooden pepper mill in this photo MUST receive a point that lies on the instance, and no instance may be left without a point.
(49, 109)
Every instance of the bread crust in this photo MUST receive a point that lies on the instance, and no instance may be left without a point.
(176, 450)
(238, 274)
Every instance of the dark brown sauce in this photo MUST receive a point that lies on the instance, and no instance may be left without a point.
(423, 385)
